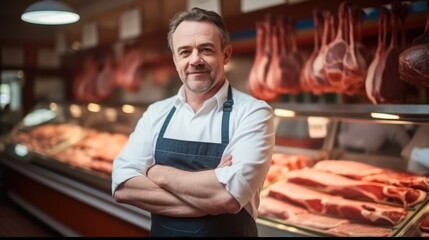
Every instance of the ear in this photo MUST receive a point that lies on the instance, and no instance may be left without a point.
(227, 53)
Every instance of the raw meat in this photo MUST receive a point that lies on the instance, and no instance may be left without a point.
(323, 203)
(356, 189)
(360, 230)
(368, 172)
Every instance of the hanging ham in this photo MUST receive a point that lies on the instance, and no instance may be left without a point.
(129, 73)
(257, 75)
(335, 54)
(389, 88)
(286, 62)
(307, 73)
(413, 61)
(105, 80)
(318, 82)
(355, 65)
(274, 74)
(381, 48)
(85, 82)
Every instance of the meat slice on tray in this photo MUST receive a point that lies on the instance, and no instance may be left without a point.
(276, 208)
(289, 213)
(396, 178)
(349, 168)
(293, 161)
(299, 217)
(323, 203)
(356, 189)
(360, 230)
(282, 163)
(371, 173)
(317, 221)
(424, 226)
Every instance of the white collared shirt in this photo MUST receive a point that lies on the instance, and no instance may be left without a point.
(251, 135)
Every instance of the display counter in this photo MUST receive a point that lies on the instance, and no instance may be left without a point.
(365, 148)
(57, 164)
(70, 206)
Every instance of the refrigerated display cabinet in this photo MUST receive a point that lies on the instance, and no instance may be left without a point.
(57, 161)
(380, 136)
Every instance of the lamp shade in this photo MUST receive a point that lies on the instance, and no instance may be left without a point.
(49, 12)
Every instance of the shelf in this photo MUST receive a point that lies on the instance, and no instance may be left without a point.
(406, 112)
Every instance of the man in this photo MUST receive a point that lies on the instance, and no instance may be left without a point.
(197, 160)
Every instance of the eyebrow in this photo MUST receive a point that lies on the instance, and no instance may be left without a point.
(208, 44)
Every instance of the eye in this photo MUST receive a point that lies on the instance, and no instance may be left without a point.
(184, 52)
(206, 50)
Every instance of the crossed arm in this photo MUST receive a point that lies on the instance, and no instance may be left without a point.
(172, 192)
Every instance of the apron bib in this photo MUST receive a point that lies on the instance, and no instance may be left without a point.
(195, 156)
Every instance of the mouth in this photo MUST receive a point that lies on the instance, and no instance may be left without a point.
(198, 73)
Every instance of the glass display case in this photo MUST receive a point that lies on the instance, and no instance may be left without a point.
(79, 142)
(366, 163)
(76, 140)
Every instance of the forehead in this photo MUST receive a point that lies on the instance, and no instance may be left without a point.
(195, 33)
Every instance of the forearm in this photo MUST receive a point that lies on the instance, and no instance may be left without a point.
(145, 194)
(200, 189)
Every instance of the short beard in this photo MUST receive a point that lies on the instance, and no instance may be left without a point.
(201, 88)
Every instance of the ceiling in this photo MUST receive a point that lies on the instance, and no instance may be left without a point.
(12, 28)
(155, 13)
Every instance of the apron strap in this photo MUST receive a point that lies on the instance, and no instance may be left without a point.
(227, 108)
(166, 122)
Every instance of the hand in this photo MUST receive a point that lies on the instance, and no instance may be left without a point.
(227, 161)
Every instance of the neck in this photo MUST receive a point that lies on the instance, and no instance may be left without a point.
(196, 100)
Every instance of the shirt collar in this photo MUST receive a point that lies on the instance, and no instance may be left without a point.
(220, 97)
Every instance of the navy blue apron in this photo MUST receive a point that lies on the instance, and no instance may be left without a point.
(191, 156)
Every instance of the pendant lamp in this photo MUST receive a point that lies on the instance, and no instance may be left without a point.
(49, 12)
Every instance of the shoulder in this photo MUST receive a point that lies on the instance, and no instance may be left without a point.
(247, 102)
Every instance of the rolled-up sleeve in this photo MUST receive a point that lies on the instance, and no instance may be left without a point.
(251, 147)
(136, 157)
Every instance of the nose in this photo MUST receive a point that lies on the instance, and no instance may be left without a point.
(196, 59)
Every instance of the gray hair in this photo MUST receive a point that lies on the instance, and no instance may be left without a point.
(198, 15)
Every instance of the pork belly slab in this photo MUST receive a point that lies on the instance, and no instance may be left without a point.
(370, 173)
(360, 230)
(323, 203)
(275, 208)
(424, 224)
(356, 189)
(297, 216)
(292, 214)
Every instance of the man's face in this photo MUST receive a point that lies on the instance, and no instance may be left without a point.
(198, 55)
